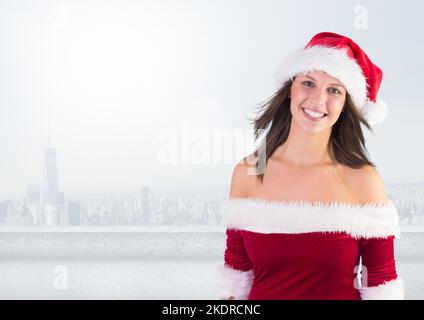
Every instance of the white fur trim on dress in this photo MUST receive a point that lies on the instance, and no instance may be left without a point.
(389, 290)
(333, 61)
(372, 220)
(234, 283)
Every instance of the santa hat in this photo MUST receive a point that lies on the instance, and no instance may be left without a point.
(343, 59)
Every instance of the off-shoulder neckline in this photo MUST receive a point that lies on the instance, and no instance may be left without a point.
(311, 204)
(373, 219)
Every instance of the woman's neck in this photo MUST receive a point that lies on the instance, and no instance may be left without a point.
(302, 149)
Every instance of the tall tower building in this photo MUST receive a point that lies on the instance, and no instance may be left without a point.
(50, 195)
(51, 179)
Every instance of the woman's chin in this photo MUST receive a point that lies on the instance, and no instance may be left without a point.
(311, 127)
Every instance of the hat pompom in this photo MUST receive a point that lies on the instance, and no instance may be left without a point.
(374, 112)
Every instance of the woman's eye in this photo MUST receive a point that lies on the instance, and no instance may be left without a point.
(334, 90)
(307, 83)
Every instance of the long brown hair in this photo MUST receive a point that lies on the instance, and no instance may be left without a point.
(346, 144)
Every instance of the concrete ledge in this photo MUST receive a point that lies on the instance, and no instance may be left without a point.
(113, 244)
(141, 241)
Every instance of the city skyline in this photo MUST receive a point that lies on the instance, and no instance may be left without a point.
(45, 205)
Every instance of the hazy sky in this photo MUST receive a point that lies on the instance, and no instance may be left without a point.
(114, 77)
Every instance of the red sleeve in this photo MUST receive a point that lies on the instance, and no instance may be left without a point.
(235, 253)
(234, 278)
(379, 277)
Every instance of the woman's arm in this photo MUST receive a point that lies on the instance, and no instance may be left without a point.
(235, 277)
(380, 280)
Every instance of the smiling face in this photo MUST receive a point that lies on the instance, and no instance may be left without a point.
(317, 100)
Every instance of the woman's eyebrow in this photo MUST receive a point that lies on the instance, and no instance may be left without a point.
(336, 84)
(331, 84)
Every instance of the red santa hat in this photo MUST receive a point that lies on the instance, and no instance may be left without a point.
(342, 58)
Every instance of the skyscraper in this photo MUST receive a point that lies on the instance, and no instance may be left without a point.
(51, 180)
(50, 195)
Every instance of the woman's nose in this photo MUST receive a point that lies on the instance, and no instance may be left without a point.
(319, 98)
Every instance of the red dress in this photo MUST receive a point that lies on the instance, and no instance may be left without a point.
(309, 250)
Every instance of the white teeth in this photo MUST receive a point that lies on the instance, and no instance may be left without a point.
(313, 113)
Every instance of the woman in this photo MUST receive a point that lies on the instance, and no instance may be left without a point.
(314, 215)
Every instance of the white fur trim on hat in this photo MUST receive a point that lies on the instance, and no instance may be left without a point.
(372, 220)
(331, 60)
(389, 290)
(234, 283)
(375, 112)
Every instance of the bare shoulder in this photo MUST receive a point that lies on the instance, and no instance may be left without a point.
(243, 180)
(366, 183)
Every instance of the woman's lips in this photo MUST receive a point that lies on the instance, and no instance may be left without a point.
(310, 118)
